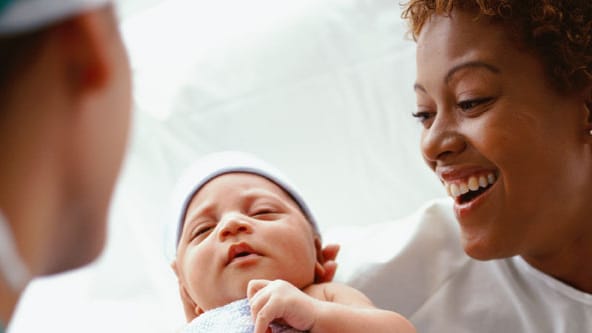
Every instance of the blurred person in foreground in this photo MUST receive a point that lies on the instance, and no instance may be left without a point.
(64, 119)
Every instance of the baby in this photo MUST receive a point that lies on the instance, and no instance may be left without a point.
(248, 256)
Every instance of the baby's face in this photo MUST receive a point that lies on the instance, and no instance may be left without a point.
(240, 227)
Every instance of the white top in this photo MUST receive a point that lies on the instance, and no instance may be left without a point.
(426, 276)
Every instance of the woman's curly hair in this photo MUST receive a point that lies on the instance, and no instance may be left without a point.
(558, 31)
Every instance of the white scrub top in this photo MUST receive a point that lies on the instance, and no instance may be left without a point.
(417, 267)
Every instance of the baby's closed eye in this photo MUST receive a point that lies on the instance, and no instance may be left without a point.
(202, 229)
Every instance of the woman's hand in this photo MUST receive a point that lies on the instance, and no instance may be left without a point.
(280, 301)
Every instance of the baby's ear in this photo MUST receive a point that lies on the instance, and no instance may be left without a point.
(191, 309)
(174, 267)
(198, 311)
(320, 271)
(326, 257)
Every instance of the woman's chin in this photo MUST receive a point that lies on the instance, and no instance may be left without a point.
(482, 249)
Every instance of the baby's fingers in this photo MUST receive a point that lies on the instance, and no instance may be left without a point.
(258, 296)
(254, 286)
(266, 315)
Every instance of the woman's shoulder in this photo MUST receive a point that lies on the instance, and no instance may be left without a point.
(405, 260)
(429, 234)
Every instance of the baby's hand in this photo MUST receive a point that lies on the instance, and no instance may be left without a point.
(280, 300)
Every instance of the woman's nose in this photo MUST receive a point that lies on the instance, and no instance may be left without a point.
(232, 225)
(442, 140)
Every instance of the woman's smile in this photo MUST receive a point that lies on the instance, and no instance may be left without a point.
(468, 186)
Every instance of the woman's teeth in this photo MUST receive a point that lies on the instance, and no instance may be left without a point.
(473, 183)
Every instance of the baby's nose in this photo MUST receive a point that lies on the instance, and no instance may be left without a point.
(234, 224)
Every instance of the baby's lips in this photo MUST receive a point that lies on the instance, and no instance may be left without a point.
(239, 249)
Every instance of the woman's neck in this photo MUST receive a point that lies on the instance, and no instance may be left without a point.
(571, 264)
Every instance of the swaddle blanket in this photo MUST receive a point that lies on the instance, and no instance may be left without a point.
(231, 318)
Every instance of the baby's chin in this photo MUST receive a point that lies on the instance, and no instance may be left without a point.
(228, 295)
(227, 298)
(238, 289)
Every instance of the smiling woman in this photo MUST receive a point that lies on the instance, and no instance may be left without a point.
(504, 94)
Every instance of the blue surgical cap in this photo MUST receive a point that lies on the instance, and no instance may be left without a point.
(3, 4)
(24, 15)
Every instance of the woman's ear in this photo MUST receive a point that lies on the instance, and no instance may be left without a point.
(584, 104)
(191, 309)
(588, 107)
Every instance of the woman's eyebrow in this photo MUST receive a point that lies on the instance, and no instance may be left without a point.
(455, 69)
(470, 64)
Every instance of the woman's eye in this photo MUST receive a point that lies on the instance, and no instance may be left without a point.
(472, 103)
(423, 116)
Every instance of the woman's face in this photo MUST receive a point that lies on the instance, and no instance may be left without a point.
(495, 129)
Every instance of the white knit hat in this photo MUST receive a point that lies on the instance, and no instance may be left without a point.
(212, 166)
(23, 15)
